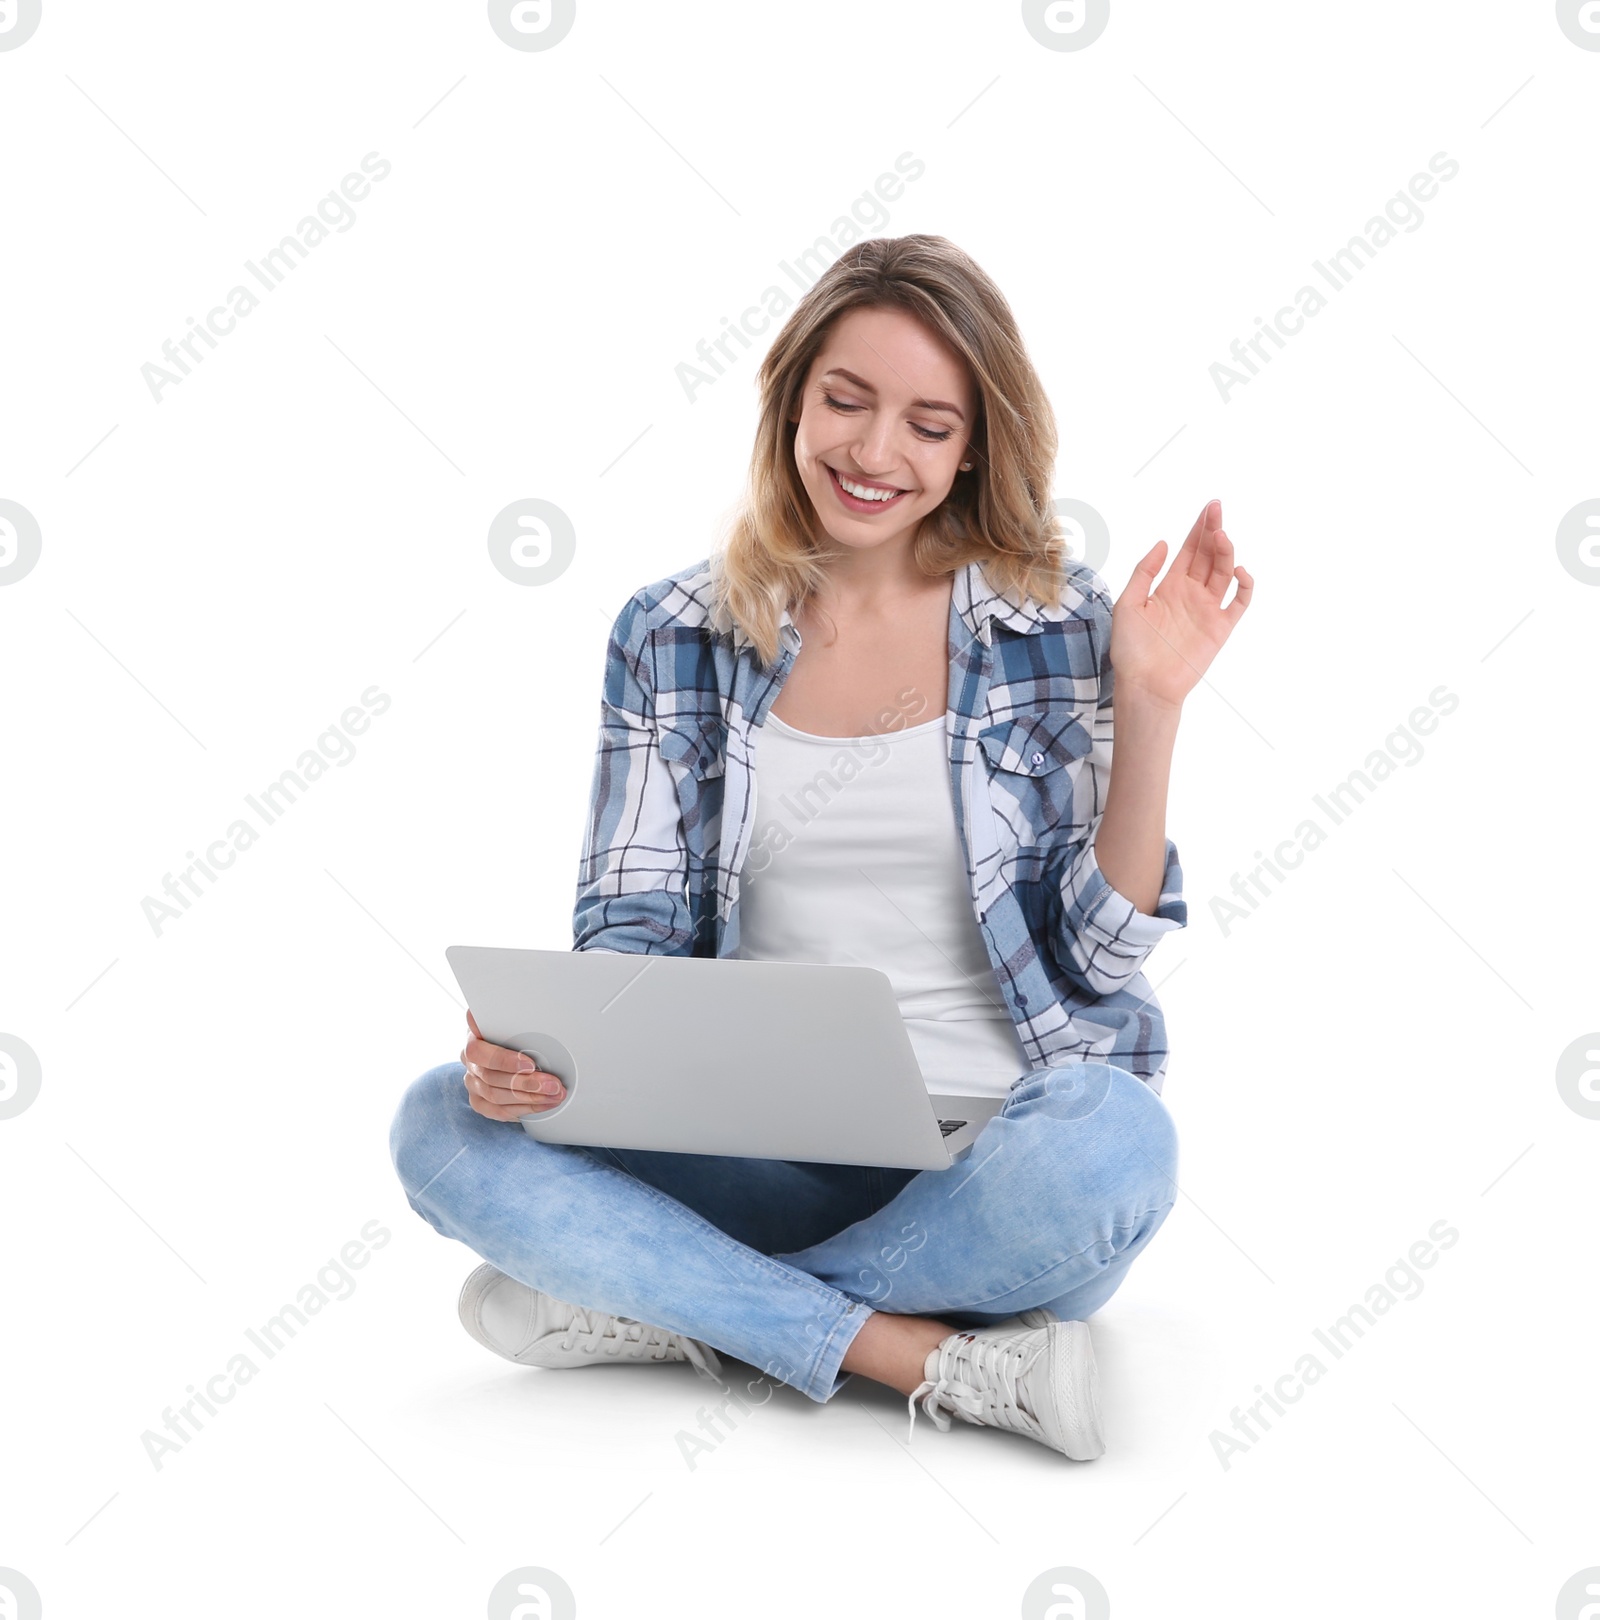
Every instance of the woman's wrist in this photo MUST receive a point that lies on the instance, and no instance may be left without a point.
(1129, 698)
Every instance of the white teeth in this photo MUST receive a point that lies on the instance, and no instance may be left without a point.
(862, 493)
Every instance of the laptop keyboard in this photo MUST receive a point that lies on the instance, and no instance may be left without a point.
(946, 1126)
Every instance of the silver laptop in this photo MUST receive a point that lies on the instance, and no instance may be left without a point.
(683, 1054)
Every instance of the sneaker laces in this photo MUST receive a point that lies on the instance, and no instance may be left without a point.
(598, 1333)
(977, 1380)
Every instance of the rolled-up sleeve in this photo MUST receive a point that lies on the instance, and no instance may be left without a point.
(1107, 937)
(631, 875)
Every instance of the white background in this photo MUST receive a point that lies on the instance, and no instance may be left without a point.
(224, 572)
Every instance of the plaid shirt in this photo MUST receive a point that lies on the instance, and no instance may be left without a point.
(1029, 723)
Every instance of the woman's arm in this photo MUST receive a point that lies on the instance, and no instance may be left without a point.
(1161, 645)
(1131, 841)
(631, 876)
(1103, 937)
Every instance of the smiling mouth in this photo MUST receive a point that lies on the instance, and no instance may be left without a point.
(857, 503)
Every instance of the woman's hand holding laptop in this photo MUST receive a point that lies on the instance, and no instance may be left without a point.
(503, 1084)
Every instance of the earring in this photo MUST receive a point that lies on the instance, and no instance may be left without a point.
(966, 466)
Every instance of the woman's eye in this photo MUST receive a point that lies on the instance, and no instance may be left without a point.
(927, 433)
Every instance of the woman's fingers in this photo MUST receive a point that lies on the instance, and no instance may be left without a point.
(1142, 579)
(1241, 598)
(1193, 559)
(503, 1084)
(523, 1094)
(514, 1087)
(1221, 565)
(487, 1056)
(505, 1116)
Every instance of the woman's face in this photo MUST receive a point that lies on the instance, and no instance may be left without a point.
(886, 404)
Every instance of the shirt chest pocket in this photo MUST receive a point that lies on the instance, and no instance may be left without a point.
(1037, 785)
(693, 748)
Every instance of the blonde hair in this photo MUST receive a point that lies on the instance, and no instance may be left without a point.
(1001, 514)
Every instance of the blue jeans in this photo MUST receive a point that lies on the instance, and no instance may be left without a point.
(779, 1263)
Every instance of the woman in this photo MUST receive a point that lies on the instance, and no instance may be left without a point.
(896, 557)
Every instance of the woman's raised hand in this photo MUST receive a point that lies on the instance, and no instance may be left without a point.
(503, 1084)
(1162, 643)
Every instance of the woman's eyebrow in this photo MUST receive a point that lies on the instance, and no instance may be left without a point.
(924, 404)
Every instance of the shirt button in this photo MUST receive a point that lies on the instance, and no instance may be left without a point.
(1038, 759)
(1022, 1000)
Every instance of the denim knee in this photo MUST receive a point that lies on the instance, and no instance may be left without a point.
(1122, 1135)
(423, 1133)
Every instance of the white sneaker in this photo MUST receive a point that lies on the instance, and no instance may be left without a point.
(1038, 1380)
(537, 1330)
(1038, 1317)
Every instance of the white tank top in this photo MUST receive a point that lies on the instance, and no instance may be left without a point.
(855, 858)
